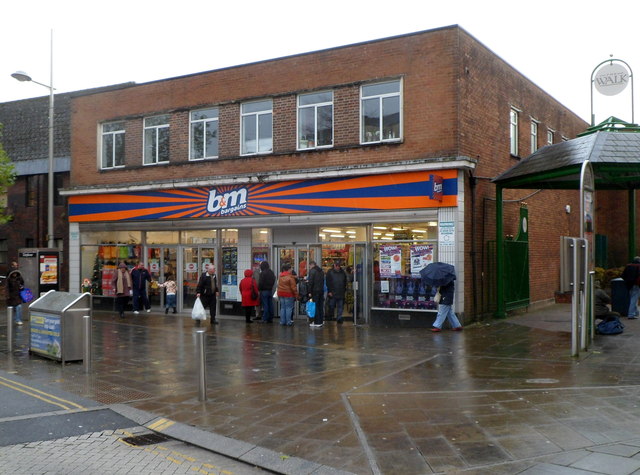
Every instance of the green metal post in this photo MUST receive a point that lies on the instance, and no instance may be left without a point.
(500, 304)
(632, 225)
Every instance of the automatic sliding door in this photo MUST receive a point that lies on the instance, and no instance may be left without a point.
(195, 260)
(162, 261)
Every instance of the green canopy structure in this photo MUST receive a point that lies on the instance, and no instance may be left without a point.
(613, 149)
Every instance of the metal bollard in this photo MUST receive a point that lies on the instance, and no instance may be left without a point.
(202, 376)
(10, 329)
(87, 343)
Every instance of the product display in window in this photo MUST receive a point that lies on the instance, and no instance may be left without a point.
(396, 272)
(406, 292)
(106, 262)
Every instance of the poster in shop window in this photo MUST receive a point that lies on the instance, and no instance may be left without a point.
(421, 256)
(230, 274)
(108, 273)
(390, 261)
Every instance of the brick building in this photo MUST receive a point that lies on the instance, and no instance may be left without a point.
(378, 155)
(25, 138)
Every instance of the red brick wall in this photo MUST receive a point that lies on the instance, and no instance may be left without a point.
(429, 111)
(489, 87)
(30, 223)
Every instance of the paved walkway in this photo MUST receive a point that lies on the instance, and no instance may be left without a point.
(500, 397)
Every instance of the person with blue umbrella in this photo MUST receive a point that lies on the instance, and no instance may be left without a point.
(443, 276)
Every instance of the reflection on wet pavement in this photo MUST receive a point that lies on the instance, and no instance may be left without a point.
(495, 398)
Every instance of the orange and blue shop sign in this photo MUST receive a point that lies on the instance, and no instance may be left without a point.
(409, 190)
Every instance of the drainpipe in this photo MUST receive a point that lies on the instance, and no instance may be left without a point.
(632, 225)
(472, 254)
(500, 307)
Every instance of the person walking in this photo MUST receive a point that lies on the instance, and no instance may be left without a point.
(171, 291)
(287, 294)
(122, 284)
(15, 283)
(445, 309)
(266, 282)
(207, 291)
(631, 277)
(336, 289)
(139, 277)
(249, 294)
(316, 292)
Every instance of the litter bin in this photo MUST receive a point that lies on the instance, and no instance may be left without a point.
(619, 296)
(56, 325)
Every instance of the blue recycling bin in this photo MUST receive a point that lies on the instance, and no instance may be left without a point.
(619, 296)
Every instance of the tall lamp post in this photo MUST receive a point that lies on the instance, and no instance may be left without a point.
(22, 76)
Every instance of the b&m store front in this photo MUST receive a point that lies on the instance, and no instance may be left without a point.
(381, 228)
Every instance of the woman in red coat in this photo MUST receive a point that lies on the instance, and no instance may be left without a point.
(249, 293)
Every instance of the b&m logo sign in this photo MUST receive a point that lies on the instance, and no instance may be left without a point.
(227, 203)
(437, 187)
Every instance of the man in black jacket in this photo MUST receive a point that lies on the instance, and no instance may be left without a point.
(336, 290)
(139, 278)
(207, 290)
(316, 292)
(266, 281)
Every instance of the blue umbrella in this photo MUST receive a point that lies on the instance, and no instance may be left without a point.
(438, 274)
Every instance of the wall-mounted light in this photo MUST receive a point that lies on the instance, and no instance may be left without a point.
(567, 209)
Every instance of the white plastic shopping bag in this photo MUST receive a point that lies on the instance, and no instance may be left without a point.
(438, 296)
(198, 312)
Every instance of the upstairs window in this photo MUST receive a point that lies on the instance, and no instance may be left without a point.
(381, 118)
(112, 145)
(513, 131)
(257, 127)
(534, 136)
(550, 137)
(4, 251)
(315, 120)
(204, 134)
(156, 139)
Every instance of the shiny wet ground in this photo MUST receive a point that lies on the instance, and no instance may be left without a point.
(499, 397)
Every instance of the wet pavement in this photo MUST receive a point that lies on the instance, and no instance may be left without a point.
(504, 396)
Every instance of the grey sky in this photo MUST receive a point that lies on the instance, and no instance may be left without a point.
(556, 44)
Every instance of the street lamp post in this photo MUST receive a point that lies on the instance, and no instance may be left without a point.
(22, 76)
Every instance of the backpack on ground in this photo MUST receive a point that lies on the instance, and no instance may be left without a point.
(610, 327)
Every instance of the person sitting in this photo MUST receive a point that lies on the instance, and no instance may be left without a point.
(602, 304)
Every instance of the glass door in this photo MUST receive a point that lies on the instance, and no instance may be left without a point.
(298, 258)
(352, 258)
(303, 256)
(195, 260)
(161, 262)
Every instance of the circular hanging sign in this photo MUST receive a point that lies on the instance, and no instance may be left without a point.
(611, 79)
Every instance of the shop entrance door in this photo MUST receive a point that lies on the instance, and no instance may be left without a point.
(298, 258)
(194, 261)
(352, 258)
(161, 262)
